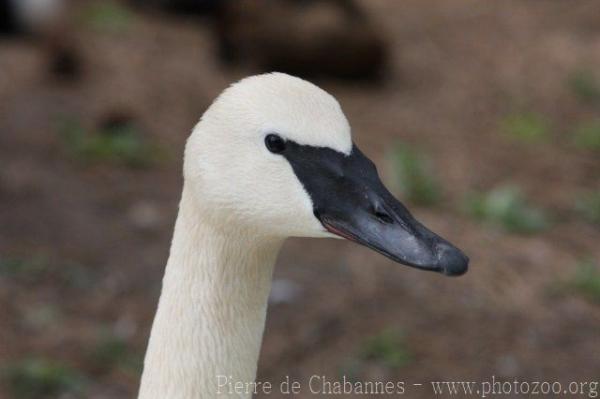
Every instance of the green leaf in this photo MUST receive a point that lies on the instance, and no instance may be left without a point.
(588, 206)
(111, 351)
(107, 16)
(505, 207)
(121, 144)
(527, 126)
(38, 377)
(388, 348)
(413, 176)
(585, 86)
(586, 281)
(587, 135)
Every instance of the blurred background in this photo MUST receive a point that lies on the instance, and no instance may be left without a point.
(483, 116)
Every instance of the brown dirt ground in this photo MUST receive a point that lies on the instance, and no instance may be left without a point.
(456, 68)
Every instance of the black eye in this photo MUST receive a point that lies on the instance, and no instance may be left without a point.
(275, 143)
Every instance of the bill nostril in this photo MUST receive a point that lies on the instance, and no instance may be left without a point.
(383, 216)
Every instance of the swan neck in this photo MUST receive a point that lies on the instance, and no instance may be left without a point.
(211, 313)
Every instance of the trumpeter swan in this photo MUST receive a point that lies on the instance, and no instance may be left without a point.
(271, 158)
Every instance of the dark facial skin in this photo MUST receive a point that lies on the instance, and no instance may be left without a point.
(350, 200)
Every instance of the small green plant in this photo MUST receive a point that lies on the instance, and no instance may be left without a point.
(350, 369)
(388, 348)
(29, 269)
(585, 86)
(75, 275)
(526, 126)
(107, 16)
(38, 268)
(40, 316)
(112, 351)
(586, 281)
(587, 135)
(413, 176)
(588, 206)
(38, 377)
(121, 144)
(505, 207)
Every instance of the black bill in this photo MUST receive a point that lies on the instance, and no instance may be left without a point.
(350, 201)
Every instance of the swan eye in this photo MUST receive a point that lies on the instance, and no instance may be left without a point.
(275, 143)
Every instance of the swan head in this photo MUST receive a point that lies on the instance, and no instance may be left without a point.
(274, 154)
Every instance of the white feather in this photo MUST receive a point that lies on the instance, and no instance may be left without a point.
(239, 203)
